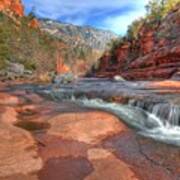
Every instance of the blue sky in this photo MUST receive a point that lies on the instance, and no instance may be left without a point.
(114, 15)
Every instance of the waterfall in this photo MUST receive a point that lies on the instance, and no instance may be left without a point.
(150, 124)
(150, 115)
(168, 113)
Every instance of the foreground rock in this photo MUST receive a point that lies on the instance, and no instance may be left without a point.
(18, 153)
(70, 142)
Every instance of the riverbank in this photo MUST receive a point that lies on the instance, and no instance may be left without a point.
(43, 139)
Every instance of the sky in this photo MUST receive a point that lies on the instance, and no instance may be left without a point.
(113, 15)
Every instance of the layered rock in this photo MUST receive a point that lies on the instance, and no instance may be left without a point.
(12, 7)
(154, 55)
(72, 142)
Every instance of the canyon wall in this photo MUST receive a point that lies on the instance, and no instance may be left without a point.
(154, 55)
(12, 7)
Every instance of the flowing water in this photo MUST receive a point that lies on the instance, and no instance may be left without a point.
(152, 111)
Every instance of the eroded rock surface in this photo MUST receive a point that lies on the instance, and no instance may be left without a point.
(55, 140)
(153, 56)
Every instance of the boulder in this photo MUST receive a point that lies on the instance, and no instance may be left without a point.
(118, 78)
(16, 68)
(64, 78)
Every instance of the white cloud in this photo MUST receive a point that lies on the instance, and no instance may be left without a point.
(80, 11)
(119, 24)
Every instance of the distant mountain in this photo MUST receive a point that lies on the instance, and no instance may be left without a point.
(78, 35)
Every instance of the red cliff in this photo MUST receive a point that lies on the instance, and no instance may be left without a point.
(12, 7)
(154, 55)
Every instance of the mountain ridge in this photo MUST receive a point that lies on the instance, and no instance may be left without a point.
(94, 37)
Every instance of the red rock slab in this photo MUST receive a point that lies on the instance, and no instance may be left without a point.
(107, 166)
(8, 115)
(87, 127)
(71, 148)
(66, 169)
(147, 158)
(55, 147)
(18, 152)
(28, 96)
(21, 177)
(165, 84)
(7, 99)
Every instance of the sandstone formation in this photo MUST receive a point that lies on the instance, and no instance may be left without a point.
(12, 7)
(154, 55)
(48, 140)
(34, 23)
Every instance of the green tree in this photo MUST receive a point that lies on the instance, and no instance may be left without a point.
(157, 9)
(169, 4)
(133, 29)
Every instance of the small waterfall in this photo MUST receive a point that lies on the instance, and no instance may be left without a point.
(147, 123)
(150, 116)
(168, 113)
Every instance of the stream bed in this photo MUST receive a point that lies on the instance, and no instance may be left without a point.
(151, 108)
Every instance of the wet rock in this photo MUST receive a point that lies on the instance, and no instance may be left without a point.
(87, 127)
(106, 164)
(8, 115)
(6, 99)
(18, 152)
(63, 79)
(78, 143)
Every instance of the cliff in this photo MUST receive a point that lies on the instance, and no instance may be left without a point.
(39, 48)
(155, 54)
(12, 7)
(84, 45)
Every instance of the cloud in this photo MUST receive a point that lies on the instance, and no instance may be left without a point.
(119, 24)
(103, 13)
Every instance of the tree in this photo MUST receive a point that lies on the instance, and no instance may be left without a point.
(157, 9)
(32, 13)
(134, 28)
(169, 4)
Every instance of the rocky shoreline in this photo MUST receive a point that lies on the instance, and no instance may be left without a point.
(42, 139)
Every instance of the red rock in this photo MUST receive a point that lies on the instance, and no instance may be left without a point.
(165, 84)
(34, 23)
(80, 144)
(122, 54)
(70, 126)
(106, 164)
(8, 115)
(12, 6)
(154, 55)
(18, 153)
(146, 40)
(6, 99)
(61, 68)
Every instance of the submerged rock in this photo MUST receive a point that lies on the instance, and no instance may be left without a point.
(71, 142)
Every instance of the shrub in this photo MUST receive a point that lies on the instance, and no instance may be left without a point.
(28, 46)
(133, 29)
